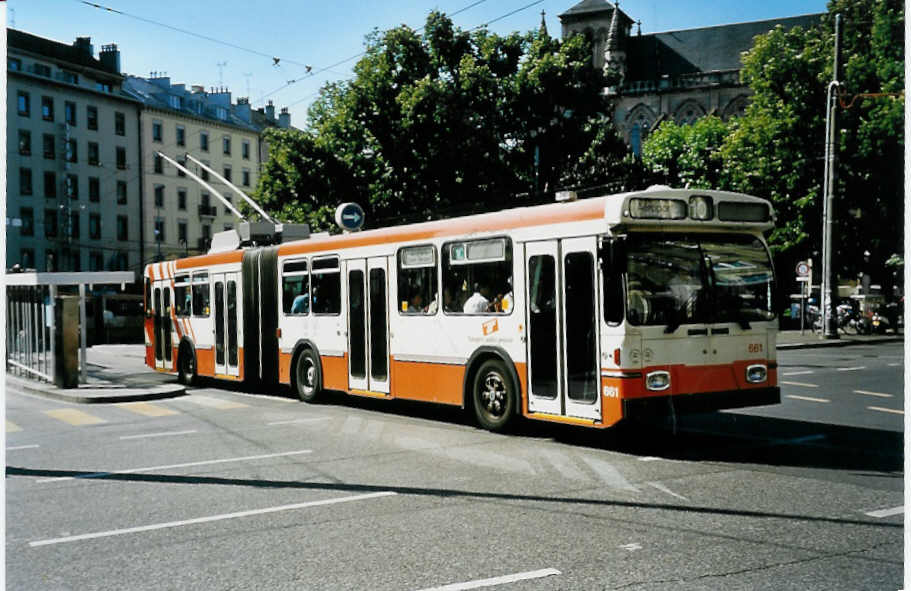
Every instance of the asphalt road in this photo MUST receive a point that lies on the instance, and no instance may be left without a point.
(224, 489)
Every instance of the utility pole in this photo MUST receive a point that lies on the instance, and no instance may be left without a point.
(829, 295)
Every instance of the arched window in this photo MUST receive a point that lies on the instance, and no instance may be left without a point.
(688, 113)
(736, 108)
(638, 124)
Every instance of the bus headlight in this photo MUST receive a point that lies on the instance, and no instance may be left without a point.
(756, 373)
(658, 380)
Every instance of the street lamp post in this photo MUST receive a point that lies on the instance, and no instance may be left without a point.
(829, 283)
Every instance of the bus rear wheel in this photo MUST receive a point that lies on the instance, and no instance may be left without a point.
(493, 396)
(186, 366)
(307, 377)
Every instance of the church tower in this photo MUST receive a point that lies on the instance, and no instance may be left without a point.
(614, 53)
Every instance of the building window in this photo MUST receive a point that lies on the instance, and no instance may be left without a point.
(104, 87)
(93, 153)
(25, 181)
(27, 260)
(50, 185)
(94, 189)
(121, 192)
(69, 113)
(14, 64)
(50, 260)
(245, 176)
(221, 113)
(75, 262)
(28, 221)
(121, 157)
(159, 230)
(181, 136)
(24, 104)
(47, 141)
(74, 225)
(182, 232)
(159, 164)
(245, 150)
(72, 151)
(204, 141)
(120, 123)
(70, 77)
(181, 199)
(96, 261)
(47, 108)
(226, 145)
(91, 117)
(95, 226)
(203, 172)
(227, 173)
(50, 223)
(182, 160)
(43, 70)
(159, 195)
(176, 102)
(156, 131)
(25, 142)
(122, 228)
(229, 200)
(227, 227)
(71, 184)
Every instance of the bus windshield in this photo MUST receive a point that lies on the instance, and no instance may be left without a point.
(697, 279)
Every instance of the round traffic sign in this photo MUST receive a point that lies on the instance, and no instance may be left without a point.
(349, 216)
(803, 268)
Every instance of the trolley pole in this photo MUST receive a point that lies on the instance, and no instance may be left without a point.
(830, 283)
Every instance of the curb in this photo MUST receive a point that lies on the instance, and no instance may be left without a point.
(100, 395)
(839, 343)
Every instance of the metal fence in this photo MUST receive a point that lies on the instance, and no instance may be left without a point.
(29, 334)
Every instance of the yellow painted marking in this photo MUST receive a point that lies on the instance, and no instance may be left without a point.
(74, 416)
(214, 402)
(561, 419)
(881, 409)
(147, 409)
(12, 427)
(369, 394)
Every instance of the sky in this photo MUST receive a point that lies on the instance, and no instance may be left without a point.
(245, 36)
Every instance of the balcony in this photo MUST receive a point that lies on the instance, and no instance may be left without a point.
(208, 210)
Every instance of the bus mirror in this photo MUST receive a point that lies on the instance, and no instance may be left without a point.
(616, 252)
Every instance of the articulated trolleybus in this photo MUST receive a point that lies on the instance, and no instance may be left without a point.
(584, 312)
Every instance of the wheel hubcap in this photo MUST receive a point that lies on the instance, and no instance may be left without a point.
(493, 394)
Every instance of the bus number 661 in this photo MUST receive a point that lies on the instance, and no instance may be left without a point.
(754, 347)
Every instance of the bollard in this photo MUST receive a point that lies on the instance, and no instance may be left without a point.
(66, 342)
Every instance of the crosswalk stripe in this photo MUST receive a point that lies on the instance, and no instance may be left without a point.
(12, 427)
(74, 417)
(147, 409)
(214, 402)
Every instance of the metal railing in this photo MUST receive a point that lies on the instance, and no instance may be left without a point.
(29, 334)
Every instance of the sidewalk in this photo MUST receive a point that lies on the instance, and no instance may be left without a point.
(117, 373)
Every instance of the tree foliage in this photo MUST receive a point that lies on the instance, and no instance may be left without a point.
(446, 121)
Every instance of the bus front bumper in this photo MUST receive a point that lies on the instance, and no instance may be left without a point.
(662, 406)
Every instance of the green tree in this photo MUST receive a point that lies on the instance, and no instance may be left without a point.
(445, 121)
(687, 155)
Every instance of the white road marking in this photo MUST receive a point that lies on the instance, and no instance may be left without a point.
(665, 489)
(886, 512)
(891, 410)
(868, 393)
(352, 425)
(161, 434)
(809, 398)
(803, 384)
(609, 474)
(210, 518)
(563, 464)
(797, 373)
(33, 446)
(851, 368)
(211, 402)
(534, 574)
(632, 547)
(184, 465)
(295, 421)
(893, 364)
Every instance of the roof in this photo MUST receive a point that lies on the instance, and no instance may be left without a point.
(587, 7)
(54, 50)
(700, 50)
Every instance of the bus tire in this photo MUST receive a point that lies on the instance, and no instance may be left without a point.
(307, 378)
(493, 396)
(186, 366)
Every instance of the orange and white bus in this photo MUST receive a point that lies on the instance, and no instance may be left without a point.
(584, 312)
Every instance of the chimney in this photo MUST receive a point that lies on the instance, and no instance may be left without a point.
(110, 58)
(270, 111)
(242, 110)
(284, 119)
(84, 44)
(221, 97)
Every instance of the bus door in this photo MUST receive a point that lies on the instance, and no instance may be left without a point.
(227, 323)
(161, 317)
(368, 332)
(562, 317)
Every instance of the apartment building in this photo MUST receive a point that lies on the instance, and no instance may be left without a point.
(73, 162)
(181, 214)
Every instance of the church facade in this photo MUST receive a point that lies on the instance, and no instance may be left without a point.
(676, 75)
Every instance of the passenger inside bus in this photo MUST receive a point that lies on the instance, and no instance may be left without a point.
(416, 304)
(301, 304)
(479, 301)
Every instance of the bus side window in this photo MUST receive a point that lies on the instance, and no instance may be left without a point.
(148, 298)
(295, 288)
(478, 275)
(182, 295)
(417, 281)
(326, 286)
(201, 295)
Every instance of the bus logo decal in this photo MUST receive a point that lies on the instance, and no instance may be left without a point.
(490, 327)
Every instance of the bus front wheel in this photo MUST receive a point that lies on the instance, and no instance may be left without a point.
(493, 396)
(307, 376)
